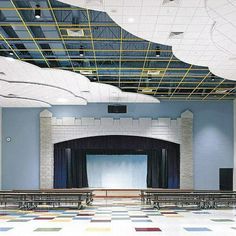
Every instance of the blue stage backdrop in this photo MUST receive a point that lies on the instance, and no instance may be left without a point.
(117, 171)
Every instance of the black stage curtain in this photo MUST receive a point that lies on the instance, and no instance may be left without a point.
(154, 168)
(163, 159)
(78, 169)
(60, 168)
(173, 166)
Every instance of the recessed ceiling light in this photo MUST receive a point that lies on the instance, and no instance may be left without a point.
(130, 19)
(10, 59)
(62, 100)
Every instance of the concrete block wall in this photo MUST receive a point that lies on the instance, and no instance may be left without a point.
(69, 128)
(46, 150)
(0, 148)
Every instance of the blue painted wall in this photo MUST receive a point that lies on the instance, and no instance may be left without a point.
(212, 140)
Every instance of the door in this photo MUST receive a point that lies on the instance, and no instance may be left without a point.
(226, 179)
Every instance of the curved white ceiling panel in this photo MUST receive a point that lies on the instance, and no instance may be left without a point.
(24, 84)
(21, 102)
(51, 95)
(201, 32)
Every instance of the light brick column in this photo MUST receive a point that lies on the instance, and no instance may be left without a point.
(46, 150)
(234, 171)
(186, 151)
(1, 148)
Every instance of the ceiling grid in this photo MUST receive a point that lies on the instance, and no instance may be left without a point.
(115, 56)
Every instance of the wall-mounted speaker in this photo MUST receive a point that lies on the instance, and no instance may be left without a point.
(117, 109)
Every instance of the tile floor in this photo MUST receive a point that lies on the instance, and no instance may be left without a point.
(118, 217)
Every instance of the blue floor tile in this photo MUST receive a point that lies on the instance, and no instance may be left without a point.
(196, 229)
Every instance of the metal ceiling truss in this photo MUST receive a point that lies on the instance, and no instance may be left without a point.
(109, 54)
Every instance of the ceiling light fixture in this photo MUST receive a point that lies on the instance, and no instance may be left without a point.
(130, 19)
(37, 12)
(212, 77)
(11, 53)
(81, 51)
(158, 51)
(62, 100)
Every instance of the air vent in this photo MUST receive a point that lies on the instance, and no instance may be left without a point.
(95, 2)
(221, 91)
(172, 2)
(147, 90)
(176, 35)
(2, 73)
(75, 33)
(153, 72)
(11, 95)
(86, 72)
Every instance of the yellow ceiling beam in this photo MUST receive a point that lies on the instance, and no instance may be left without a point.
(199, 84)
(92, 42)
(213, 90)
(144, 63)
(59, 32)
(89, 50)
(181, 81)
(74, 39)
(30, 34)
(163, 76)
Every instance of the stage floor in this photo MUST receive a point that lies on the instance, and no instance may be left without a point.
(121, 217)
